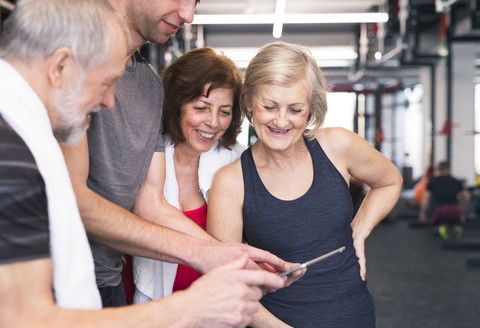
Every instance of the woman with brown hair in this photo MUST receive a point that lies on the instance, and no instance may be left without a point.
(201, 119)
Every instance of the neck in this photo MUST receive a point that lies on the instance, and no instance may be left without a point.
(281, 159)
(186, 155)
(136, 41)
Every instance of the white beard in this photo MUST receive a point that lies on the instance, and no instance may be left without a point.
(69, 127)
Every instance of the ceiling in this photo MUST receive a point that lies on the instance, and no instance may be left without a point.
(382, 51)
(349, 53)
(314, 35)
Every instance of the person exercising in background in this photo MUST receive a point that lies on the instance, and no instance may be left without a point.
(446, 198)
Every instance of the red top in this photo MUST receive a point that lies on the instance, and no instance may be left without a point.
(186, 275)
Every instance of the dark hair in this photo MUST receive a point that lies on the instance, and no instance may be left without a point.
(443, 166)
(184, 81)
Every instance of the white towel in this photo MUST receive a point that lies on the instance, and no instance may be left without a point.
(73, 268)
(155, 279)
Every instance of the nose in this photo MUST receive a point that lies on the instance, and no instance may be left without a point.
(187, 11)
(281, 119)
(108, 100)
(212, 120)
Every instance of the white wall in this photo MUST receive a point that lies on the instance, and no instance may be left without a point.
(462, 165)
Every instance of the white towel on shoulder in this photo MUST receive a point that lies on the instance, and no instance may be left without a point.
(155, 279)
(73, 268)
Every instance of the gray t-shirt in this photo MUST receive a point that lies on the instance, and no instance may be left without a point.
(121, 143)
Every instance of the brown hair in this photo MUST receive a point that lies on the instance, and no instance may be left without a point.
(184, 81)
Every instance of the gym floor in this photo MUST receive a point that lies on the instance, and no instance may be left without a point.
(417, 281)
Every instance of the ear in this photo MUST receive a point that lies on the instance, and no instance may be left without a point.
(61, 67)
(249, 113)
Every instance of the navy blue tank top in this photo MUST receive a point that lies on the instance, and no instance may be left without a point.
(331, 293)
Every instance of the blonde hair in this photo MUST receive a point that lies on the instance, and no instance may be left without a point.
(284, 64)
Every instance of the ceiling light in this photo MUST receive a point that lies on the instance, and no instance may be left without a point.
(279, 13)
(291, 18)
(325, 56)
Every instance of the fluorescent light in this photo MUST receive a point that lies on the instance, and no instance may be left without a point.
(325, 56)
(277, 30)
(278, 24)
(233, 19)
(335, 18)
(291, 19)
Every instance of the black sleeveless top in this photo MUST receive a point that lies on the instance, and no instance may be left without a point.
(331, 293)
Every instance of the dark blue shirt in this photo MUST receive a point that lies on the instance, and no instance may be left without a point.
(24, 231)
(332, 293)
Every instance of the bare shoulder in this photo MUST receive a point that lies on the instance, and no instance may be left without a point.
(332, 133)
(231, 174)
(227, 189)
(334, 139)
(345, 149)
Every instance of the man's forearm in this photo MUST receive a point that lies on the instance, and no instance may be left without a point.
(115, 227)
(163, 313)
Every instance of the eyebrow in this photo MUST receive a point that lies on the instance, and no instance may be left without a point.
(273, 101)
(208, 103)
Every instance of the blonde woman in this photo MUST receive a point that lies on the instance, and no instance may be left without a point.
(288, 193)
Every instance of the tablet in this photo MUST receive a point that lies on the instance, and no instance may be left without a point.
(315, 260)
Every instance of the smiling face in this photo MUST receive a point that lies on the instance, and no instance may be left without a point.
(280, 113)
(157, 20)
(204, 120)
